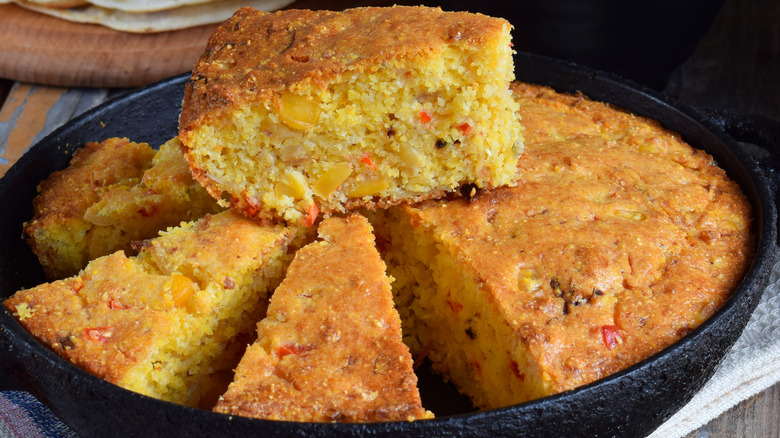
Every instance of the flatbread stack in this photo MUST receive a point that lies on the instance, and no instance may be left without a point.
(146, 16)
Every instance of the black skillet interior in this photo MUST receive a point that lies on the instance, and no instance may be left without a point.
(630, 403)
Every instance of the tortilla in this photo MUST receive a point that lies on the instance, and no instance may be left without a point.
(145, 5)
(160, 21)
(55, 3)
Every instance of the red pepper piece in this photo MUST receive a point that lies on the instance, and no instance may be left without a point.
(365, 159)
(611, 336)
(516, 370)
(464, 128)
(455, 306)
(251, 209)
(285, 350)
(113, 305)
(425, 117)
(98, 334)
(311, 215)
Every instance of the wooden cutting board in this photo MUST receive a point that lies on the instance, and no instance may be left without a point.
(40, 49)
(45, 50)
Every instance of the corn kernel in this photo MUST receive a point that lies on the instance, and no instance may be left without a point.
(332, 179)
(528, 280)
(629, 215)
(292, 184)
(368, 188)
(648, 148)
(299, 112)
(411, 156)
(181, 288)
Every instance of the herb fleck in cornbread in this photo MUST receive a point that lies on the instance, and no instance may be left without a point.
(300, 112)
(330, 348)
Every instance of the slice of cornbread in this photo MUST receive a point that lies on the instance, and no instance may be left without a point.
(112, 193)
(618, 240)
(298, 112)
(330, 348)
(167, 322)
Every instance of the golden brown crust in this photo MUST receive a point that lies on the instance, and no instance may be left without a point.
(297, 50)
(330, 348)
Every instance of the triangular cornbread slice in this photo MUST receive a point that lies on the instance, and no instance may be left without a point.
(160, 323)
(330, 348)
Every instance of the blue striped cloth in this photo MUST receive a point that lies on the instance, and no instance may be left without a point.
(23, 416)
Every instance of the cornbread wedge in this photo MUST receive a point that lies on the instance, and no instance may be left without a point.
(299, 112)
(618, 240)
(330, 348)
(169, 322)
(112, 193)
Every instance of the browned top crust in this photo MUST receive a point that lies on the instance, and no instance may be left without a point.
(330, 348)
(254, 54)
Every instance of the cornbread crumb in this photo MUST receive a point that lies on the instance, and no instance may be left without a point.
(298, 113)
(330, 348)
(23, 312)
(112, 193)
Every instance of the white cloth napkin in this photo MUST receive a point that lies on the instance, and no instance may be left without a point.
(752, 365)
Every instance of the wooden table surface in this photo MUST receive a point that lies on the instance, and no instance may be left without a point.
(735, 66)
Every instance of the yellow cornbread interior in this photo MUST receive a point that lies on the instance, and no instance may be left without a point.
(170, 323)
(403, 129)
(448, 317)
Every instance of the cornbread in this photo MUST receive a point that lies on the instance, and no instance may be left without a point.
(297, 112)
(330, 348)
(112, 193)
(168, 322)
(618, 240)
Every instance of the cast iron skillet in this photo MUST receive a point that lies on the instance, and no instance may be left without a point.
(630, 403)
